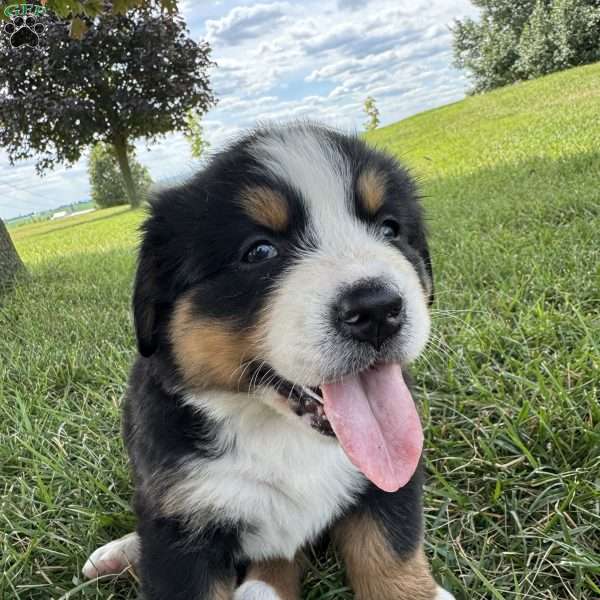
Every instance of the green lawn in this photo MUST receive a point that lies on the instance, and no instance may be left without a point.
(509, 385)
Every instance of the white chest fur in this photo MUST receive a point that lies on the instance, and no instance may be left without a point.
(276, 474)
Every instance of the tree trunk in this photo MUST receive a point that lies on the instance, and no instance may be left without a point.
(120, 147)
(10, 263)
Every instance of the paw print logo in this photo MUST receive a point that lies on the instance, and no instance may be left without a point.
(24, 32)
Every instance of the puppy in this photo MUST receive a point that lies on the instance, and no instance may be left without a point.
(280, 295)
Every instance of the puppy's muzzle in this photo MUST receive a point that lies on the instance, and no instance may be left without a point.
(369, 312)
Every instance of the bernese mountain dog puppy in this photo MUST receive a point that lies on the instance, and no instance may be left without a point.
(280, 295)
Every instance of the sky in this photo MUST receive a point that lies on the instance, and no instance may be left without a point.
(280, 61)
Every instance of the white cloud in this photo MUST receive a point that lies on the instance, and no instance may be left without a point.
(245, 22)
(401, 55)
(350, 4)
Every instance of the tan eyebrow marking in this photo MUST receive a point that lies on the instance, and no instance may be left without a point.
(266, 206)
(371, 188)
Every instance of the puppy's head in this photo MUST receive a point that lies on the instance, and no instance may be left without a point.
(297, 260)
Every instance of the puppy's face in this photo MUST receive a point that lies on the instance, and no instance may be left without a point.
(297, 258)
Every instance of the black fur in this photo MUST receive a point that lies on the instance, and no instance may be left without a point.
(195, 240)
(179, 570)
(398, 514)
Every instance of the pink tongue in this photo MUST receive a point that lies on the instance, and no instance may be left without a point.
(376, 422)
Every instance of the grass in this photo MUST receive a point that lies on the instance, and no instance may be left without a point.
(509, 386)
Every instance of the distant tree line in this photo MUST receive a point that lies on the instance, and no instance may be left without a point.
(520, 40)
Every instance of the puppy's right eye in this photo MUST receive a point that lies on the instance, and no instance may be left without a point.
(260, 252)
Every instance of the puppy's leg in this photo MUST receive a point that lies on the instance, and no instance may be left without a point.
(376, 570)
(271, 580)
(175, 566)
(113, 558)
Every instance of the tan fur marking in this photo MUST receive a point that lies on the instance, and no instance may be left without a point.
(266, 206)
(375, 572)
(282, 575)
(371, 187)
(208, 352)
(222, 591)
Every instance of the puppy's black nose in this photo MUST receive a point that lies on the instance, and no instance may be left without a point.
(370, 314)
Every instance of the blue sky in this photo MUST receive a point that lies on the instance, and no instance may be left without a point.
(287, 60)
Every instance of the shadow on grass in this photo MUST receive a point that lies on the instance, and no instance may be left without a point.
(12, 281)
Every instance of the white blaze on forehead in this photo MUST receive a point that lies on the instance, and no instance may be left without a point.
(310, 162)
(347, 251)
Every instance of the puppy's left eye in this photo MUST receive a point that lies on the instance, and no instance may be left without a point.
(390, 229)
(260, 252)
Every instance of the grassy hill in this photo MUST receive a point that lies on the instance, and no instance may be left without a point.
(509, 386)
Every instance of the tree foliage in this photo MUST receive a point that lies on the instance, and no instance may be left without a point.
(130, 76)
(372, 113)
(195, 134)
(106, 180)
(513, 41)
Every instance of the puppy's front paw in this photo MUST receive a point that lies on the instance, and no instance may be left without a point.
(255, 590)
(113, 558)
(443, 594)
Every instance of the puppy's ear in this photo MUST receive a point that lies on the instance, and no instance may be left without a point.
(145, 303)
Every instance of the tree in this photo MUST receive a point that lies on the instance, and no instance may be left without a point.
(523, 40)
(195, 135)
(130, 76)
(106, 181)
(372, 113)
(10, 263)
(558, 36)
